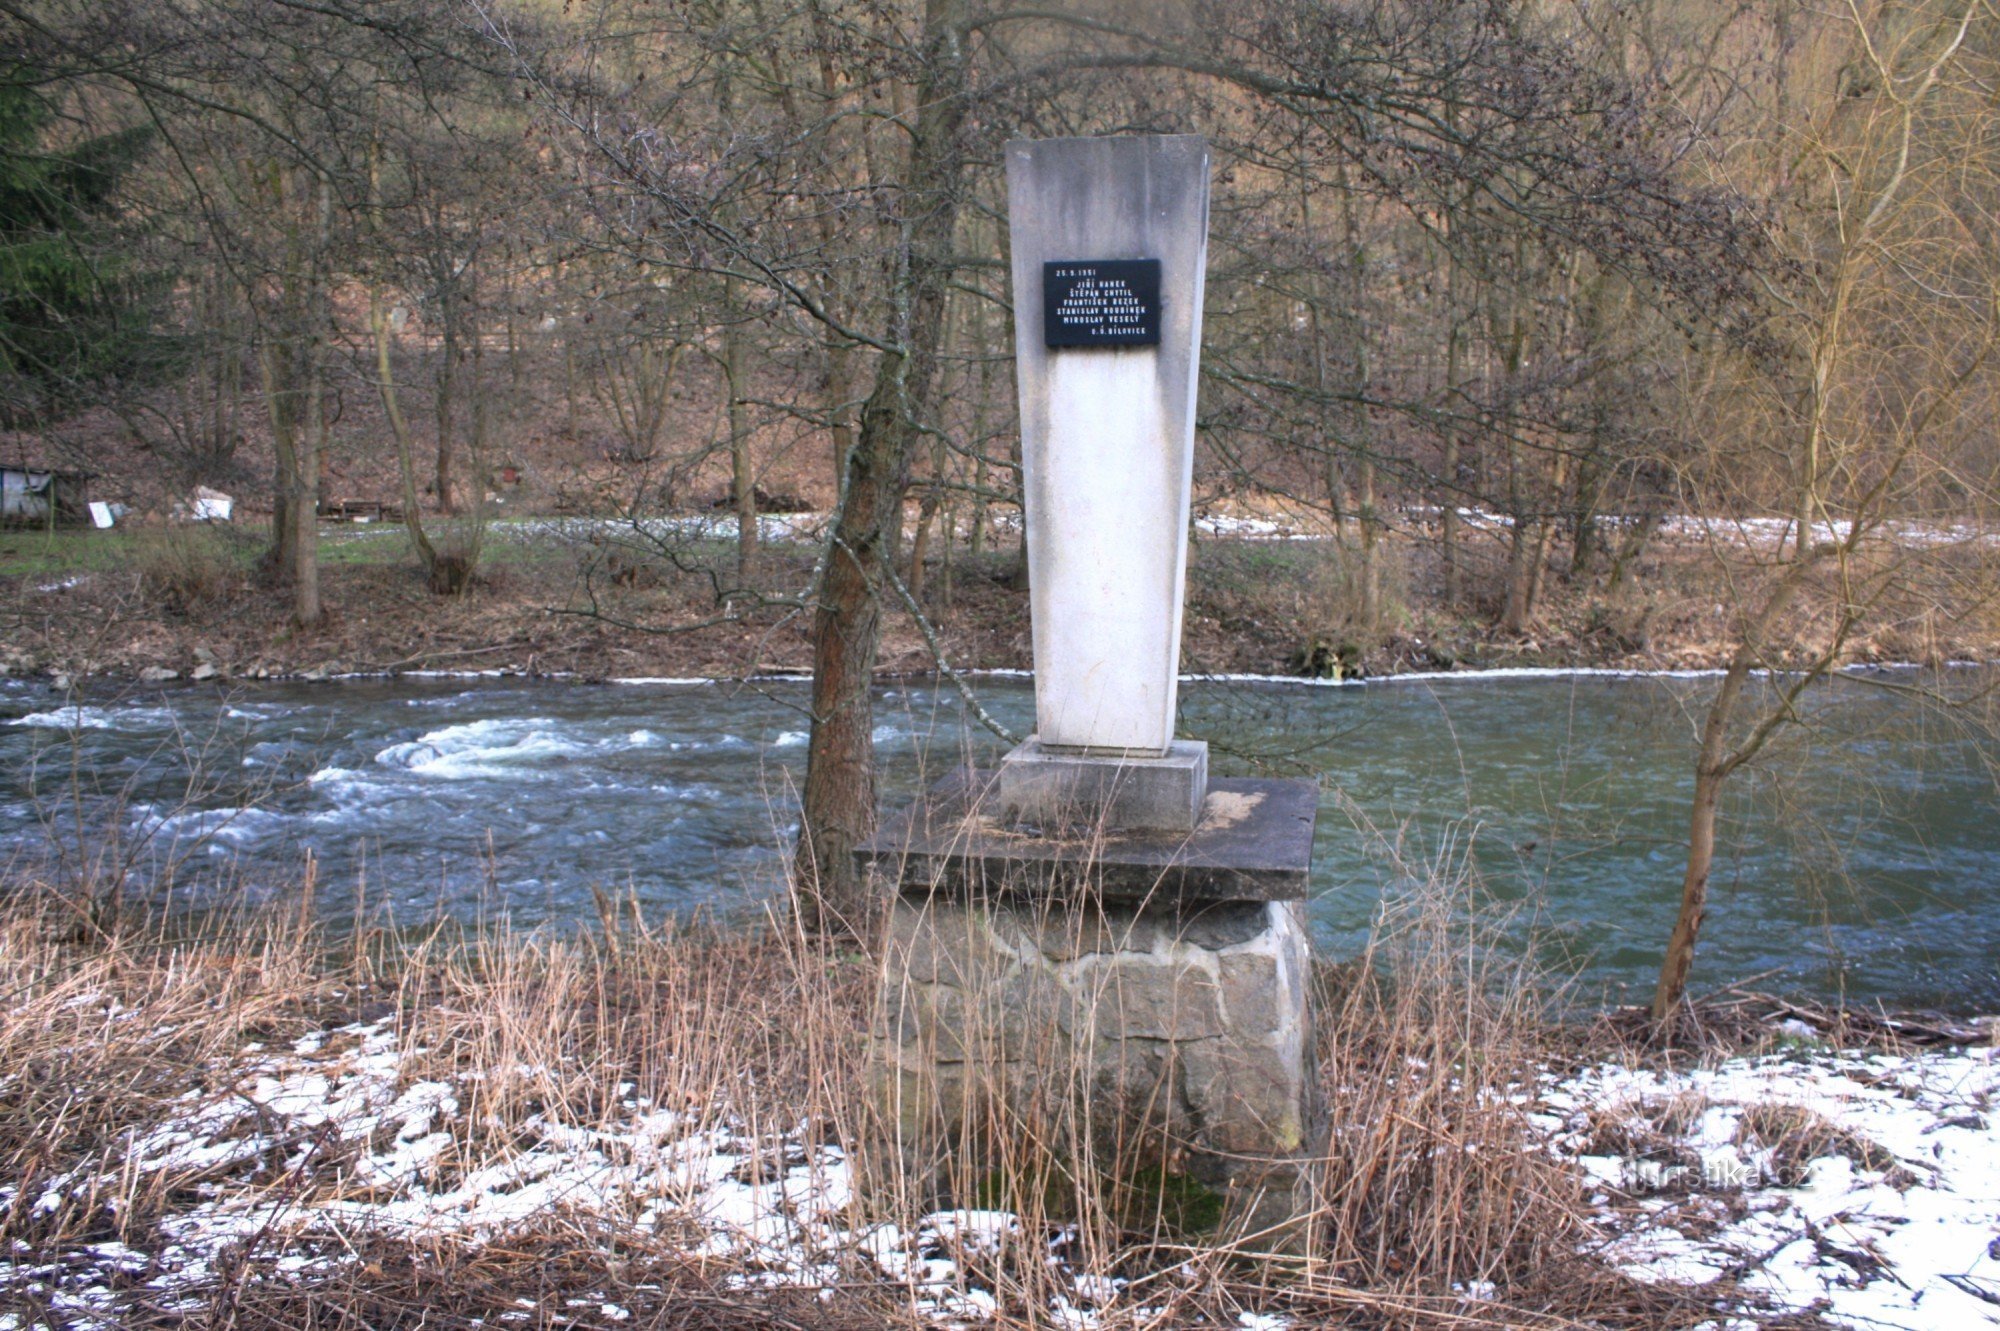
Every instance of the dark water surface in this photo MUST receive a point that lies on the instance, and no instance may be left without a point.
(1861, 858)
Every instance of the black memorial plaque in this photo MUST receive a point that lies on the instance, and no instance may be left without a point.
(1101, 303)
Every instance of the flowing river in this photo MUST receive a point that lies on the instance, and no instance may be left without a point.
(1859, 858)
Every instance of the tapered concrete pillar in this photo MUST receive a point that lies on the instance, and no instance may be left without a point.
(1110, 251)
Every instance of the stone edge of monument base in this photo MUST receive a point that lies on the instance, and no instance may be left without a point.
(1163, 793)
(1253, 843)
(1180, 1038)
(1166, 971)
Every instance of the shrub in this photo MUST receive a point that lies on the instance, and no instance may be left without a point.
(186, 566)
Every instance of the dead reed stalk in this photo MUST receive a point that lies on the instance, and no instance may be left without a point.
(584, 1099)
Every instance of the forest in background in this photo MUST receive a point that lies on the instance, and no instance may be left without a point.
(1567, 270)
(1509, 303)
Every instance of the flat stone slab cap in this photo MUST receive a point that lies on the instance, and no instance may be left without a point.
(1254, 843)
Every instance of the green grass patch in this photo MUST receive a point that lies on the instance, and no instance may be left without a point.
(30, 553)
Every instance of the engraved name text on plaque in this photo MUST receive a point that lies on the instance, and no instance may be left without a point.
(1101, 303)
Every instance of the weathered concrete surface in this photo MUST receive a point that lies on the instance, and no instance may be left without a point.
(1136, 1036)
(1049, 788)
(1252, 843)
(1107, 434)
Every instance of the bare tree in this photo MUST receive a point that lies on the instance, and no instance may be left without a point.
(1887, 345)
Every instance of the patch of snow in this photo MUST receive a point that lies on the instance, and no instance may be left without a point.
(1894, 1220)
(1881, 1208)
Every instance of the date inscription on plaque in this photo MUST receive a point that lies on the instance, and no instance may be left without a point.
(1101, 303)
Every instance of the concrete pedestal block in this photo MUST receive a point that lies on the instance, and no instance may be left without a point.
(1154, 792)
(1154, 1041)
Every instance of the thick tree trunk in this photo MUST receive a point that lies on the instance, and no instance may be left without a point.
(399, 430)
(279, 561)
(1360, 432)
(392, 407)
(1448, 536)
(835, 383)
(976, 537)
(292, 361)
(293, 390)
(840, 764)
(1538, 561)
(1371, 561)
(975, 540)
(839, 794)
(1586, 540)
(1454, 383)
(920, 547)
(305, 506)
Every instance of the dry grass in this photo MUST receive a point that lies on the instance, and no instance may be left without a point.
(103, 1032)
(189, 568)
(1796, 1136)
(111, 1041)
(1435, 1180)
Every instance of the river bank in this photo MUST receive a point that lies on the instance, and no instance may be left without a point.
(593, 600)
(248, 1126)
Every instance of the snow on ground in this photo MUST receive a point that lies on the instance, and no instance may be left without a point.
(1865, 1186)
(333, 1137)
(1756, 532)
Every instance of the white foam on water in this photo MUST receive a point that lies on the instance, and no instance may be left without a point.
(725, 741)
(693, 793)
(513, 747)
(442, 699)
(68, 718)
(504, 747)
(232, 826)
(882, 734)
(83, 716)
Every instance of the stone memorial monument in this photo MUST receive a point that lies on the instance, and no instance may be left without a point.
(1098, 935)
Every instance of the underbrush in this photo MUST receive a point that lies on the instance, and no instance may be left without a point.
(188, 568)
(241, 1121)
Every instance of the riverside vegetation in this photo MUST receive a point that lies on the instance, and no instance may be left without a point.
(619, 598)
(232, 1118)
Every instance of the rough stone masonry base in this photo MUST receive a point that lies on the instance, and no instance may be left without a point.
(1172, 1037)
